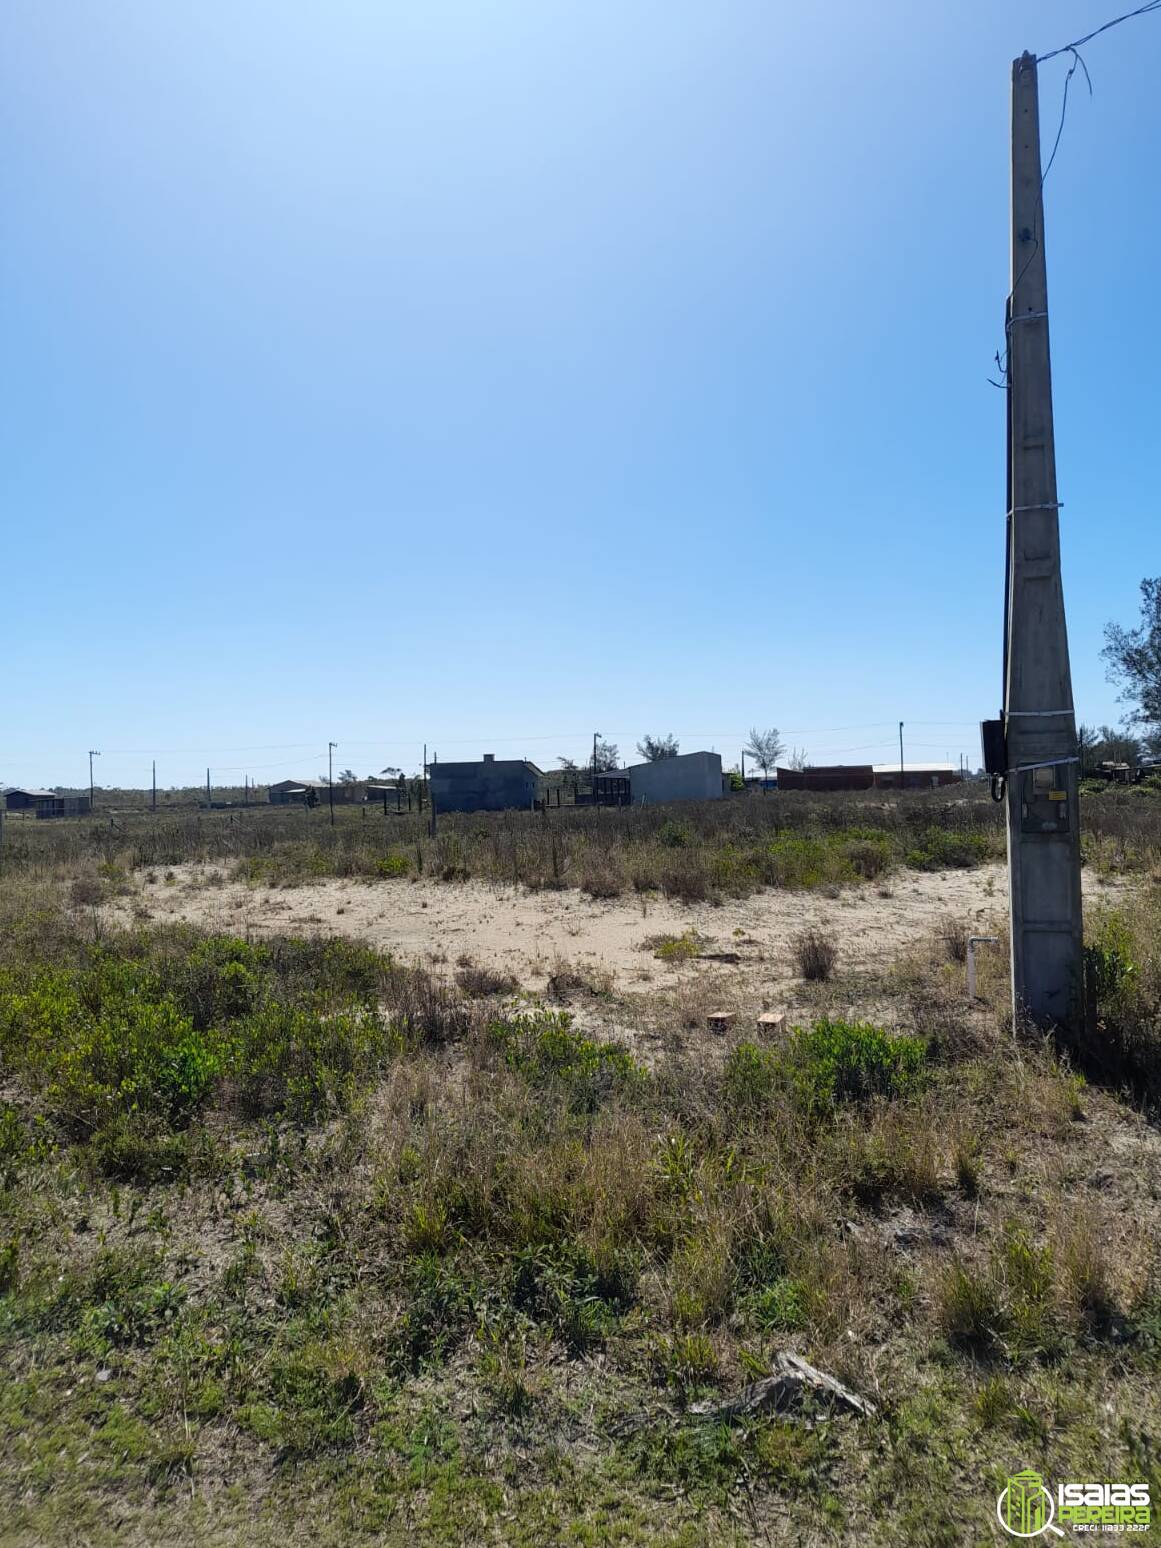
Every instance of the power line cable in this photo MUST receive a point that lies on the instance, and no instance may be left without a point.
(1065, 48)
(1073, 48)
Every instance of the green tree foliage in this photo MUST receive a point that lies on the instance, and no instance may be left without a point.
(654, 748)
(1134, 661)
(765, 748)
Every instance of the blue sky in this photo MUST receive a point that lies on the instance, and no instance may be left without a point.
(487, 374)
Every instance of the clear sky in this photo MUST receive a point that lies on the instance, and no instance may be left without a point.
(491, 373)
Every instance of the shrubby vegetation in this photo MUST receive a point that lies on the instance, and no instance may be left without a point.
(792, 840)
(692, 851)
(376, 1241)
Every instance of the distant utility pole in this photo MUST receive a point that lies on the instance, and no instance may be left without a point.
(208, 802)
(1041, 746)
(331, 777)
(93, 753)
(154, 802)
(902, 775)
(596, 734)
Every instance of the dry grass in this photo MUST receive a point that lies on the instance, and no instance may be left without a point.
(815, 954)
(466, 1264)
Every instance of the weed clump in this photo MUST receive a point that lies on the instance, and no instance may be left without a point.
(484, 982)
(815, 954)
(676, 948)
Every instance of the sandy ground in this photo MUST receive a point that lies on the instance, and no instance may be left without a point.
(527, 933)
(619, 987)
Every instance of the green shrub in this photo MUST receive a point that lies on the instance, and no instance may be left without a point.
(841, 1061)
(1109, 969)
(677, 948)
(947, 849)
(750, 1077)
(868, 856)
(107, 1043)
(219, 978)
(24, 1141)
(393, 865)
(796, 861)
(289, 1059)
(547, 1052)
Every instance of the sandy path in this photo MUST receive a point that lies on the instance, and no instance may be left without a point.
(524, 933)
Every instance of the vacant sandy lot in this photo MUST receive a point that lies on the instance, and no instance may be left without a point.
(526, 933)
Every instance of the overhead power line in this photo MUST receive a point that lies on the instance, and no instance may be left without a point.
(1078, 63)
(1069, 48)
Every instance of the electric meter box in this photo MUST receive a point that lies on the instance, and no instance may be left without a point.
(995, 746)
(1044, 799)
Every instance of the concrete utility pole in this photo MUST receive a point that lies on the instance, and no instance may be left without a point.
(208, 801)
(154, 802)
(92, 788)
(1041, 758)
(331, 777)
(902, 776)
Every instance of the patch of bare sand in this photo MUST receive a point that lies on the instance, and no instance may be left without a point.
(747, 967)
(525, 933)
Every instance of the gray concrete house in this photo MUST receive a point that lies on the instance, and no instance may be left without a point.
(488, 786)
(695, 776)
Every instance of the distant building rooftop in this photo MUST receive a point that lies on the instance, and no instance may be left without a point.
(463, 768)
(916, 768)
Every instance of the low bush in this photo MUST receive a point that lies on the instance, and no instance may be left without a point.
(543, 1047)
(485, 982)
(676, 948)
(128, 1043)
(948, 849)
(841, 1061)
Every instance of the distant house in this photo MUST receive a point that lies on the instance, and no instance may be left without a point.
(830, 776)
(19, 800)
(64, 806)
(695, 776)
(293, 792)
(46, 803)
(916, 776)
(869, 776)
(488, 786)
